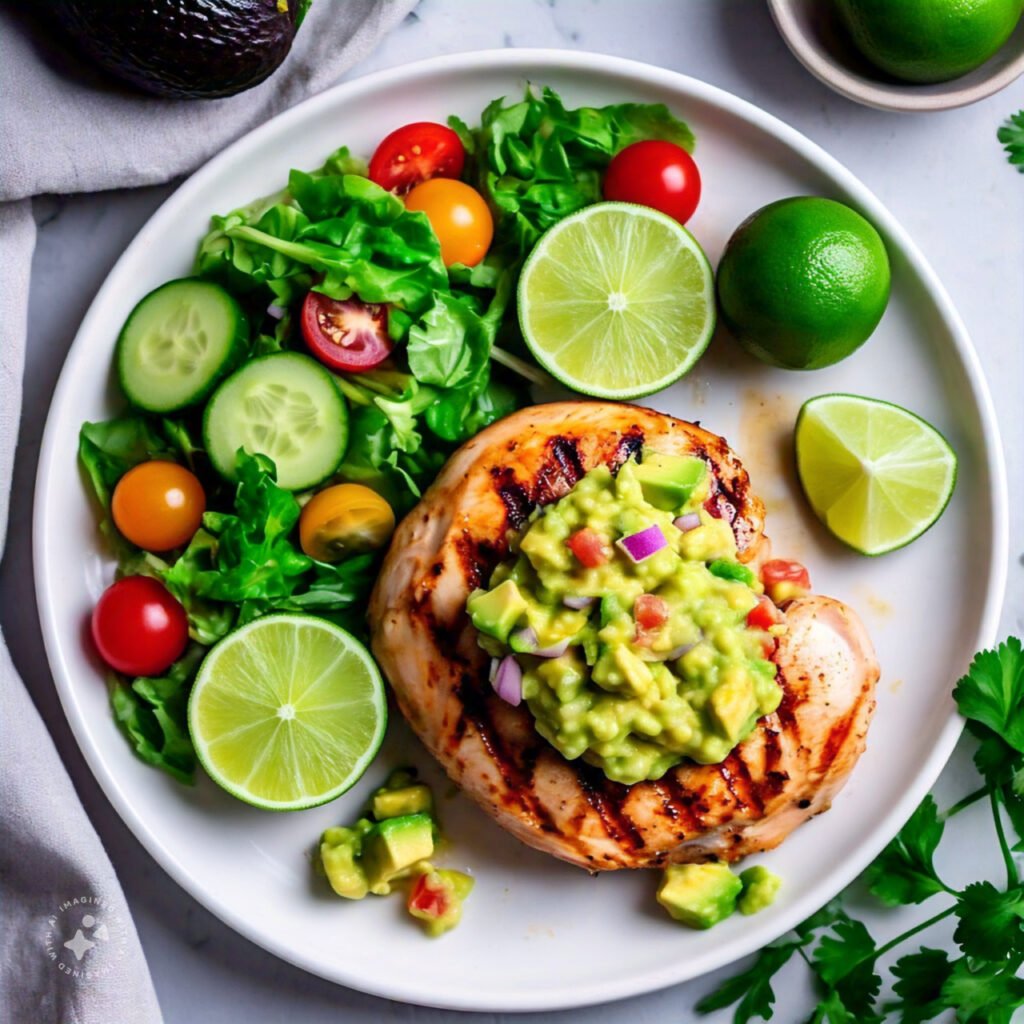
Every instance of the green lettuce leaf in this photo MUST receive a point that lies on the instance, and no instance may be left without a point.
(153, 715)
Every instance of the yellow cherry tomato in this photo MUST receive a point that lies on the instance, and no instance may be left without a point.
(158, 505)
(344, 520)
(459, 216)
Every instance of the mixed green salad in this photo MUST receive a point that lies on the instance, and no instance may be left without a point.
(372, 357)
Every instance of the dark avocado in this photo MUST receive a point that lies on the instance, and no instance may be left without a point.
(184, 48)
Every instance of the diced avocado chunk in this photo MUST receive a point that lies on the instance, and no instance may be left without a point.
(496, 611)
(760, 887)
(396, 803)
(340, 850)
(394, 846)
(699, 895)
(668, 481)
(733, 703)
(727, 569)
(436, 899)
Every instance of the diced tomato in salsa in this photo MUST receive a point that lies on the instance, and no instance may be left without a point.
(782, 570)
(650, 611)
(763, 615)
(430, 898)
(589, 547)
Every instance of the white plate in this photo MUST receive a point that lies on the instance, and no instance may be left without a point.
(538, 934)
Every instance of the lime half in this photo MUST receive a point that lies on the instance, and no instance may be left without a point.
(287, 712)
(617, 301)
(876, 475)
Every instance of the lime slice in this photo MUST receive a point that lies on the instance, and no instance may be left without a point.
(617, 301)
(287, 712)
(876, 475)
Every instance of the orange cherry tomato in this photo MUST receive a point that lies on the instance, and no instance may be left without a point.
(459, 216)
(344, 520)
(158, 505)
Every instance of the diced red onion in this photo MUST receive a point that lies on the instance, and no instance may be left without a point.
(678, 652)
(276, 311)
(508, 681)
(577, 604)
(641, 545)
(686, 523)
(526, 640)
(493, 671)
(553, 650)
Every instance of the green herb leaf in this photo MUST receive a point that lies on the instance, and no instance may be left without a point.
(832, 1010)
(752, 988)
(983, 992)
(904, 872)
(845, 960)
(992, 692)
(1011, 135)
(920, 977)
(991, 923)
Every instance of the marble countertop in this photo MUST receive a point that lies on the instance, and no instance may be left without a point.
(943, 175)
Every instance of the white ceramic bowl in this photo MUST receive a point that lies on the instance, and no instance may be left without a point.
(811, 30)
(538, 934)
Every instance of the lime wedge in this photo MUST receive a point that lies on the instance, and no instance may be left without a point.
(617, 301)
(876, 475)
(287, 712)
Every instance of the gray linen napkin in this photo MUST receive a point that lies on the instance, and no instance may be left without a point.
(69, 953)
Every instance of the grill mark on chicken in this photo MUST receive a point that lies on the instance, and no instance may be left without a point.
(517, 502)
(607, 797)
(427, 648)
(630, 444)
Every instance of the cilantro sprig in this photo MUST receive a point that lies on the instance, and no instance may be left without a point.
(982, 984)
(1011, 135)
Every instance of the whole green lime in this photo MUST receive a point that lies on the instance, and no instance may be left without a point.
(929, 40)
(803, 282)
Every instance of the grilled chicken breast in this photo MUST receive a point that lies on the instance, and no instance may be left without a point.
(789, 769)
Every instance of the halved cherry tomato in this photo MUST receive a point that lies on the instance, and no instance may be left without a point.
(782, 570)
(429, 896)
(414, 153)
(344, 520)
(346, 334)
(158, 505)
(658, 174)
(650, 611)
(763, 615)
(459, 216)
(589, 547)
(138, 627)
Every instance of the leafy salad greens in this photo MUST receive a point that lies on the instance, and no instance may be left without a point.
(336, 232)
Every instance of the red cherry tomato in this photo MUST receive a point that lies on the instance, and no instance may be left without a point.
(346, 335)
(429, 898)
(658, 174)
(782, 570)
(589, 547)
(650, 611)
(763, 615)
(138, 627)
(414, 153)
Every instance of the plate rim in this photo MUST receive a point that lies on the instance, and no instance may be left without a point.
(533, 62)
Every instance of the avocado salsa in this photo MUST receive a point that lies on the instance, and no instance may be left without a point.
(625, 609)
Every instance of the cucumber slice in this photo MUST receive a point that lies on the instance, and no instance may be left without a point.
(285, 406)
(178, 342)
